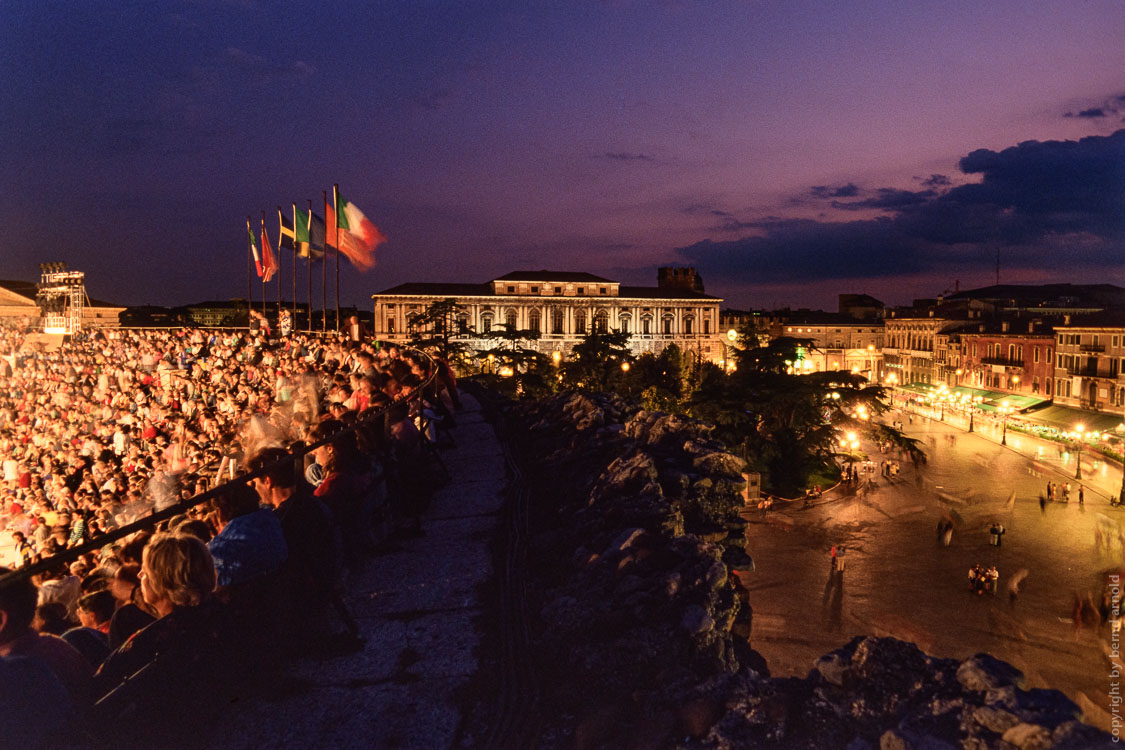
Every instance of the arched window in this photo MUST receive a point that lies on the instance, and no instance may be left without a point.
(668, 325)
(533, 320)
(580, 321)
(556, 320)
(646, 325)
(510, 320)
(486, 323)
(625, 319)
(689, 323)
(462, 324)
(601, 322)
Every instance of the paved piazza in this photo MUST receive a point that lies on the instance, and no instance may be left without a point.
(900, 581)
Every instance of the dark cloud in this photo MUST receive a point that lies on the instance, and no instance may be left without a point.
(728, 222)
(844, 191)
(1043, 201)
(1109, 106)
(935, 180)
(624, 156)
(887, 198)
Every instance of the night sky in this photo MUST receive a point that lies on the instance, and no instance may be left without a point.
(789, 150)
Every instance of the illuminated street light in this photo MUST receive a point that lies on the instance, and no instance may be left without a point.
(556, 356)
(624, 367)
(1079, 429)
(1004, 410)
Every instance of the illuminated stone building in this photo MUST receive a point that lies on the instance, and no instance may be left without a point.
(563, 306)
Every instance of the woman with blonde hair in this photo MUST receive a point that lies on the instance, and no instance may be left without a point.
(165, 667)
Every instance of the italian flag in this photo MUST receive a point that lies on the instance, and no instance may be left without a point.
(254, 248)
(358, 237)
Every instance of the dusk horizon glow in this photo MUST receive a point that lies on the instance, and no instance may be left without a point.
(789, 152)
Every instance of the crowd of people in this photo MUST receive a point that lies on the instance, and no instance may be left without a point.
(123, 641)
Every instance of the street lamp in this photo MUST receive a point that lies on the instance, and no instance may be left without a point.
(972, 409)
(1004, 410)
(1078, 428)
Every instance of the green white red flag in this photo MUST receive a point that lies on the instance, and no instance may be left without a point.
(254, 248)
(357, 236)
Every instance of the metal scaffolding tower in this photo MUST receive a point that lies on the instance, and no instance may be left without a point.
(61, 297)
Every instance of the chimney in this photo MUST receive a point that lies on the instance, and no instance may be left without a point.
(1004, 326)
(679, 278)
(1066, 320)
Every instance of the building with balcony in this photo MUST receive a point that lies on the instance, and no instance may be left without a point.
(1090, 362)
(563, 307)
(1014, 356)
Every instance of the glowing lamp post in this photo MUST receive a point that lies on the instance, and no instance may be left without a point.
(1004, 410)
(1078, 430)
(973, 408)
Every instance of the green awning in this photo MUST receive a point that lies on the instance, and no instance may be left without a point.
(1065, 418)
(974, 392)
(919, 388)
(1019, 403)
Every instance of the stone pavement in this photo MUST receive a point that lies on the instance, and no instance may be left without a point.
(419, 607)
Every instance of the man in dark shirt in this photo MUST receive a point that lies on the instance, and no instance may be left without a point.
(310, 534)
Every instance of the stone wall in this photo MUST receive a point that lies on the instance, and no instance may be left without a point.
(641, 626)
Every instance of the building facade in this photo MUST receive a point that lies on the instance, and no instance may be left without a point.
(1015, 356)
(563, 307)
(1090, 363)
(840, 343)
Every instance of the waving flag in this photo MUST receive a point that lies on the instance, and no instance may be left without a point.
(254, 248)
(269, 262)
(309, 231)
(358, 237)
(286, 238)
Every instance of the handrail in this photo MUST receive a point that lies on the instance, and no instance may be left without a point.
(149, 521)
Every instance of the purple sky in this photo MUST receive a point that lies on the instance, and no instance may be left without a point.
(789, 150)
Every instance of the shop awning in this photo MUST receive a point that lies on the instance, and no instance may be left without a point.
(920, 388)
(1020, 403)
(1065, 418)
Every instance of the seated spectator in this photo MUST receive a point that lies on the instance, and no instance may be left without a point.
(91, 637)
(132, 612)
(344, 488)
(313, 566)
(161, 679)
(250, 544)
(17, 638)
(50, 618)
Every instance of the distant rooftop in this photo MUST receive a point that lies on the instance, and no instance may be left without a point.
(573, 276)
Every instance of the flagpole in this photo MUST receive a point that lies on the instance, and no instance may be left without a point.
(263, 267)
(310, 259)
(294, 329)
(324, 272)
(280, 269)
(335, 213)
(249, 279)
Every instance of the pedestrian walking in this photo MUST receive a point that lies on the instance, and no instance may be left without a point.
(996, 533)
(833, 555)
(1081, 495)
(1042, 504)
